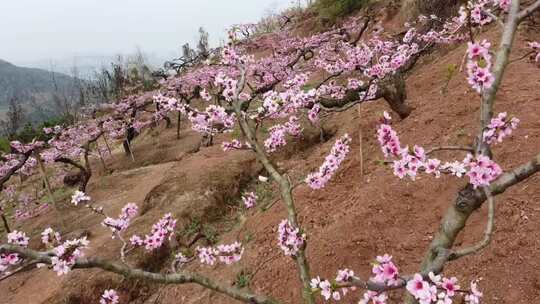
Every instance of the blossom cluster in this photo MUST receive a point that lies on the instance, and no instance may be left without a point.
(481, 12)
(434, 289)
(66, 254)
(231, 145)
(49, 237)
(499, 128)
(212, 120)
(10, 161)
(8, 259)
(227, 254)
(480, 170)
(479, 66)
(535, 47)
(161, 231)
(109, 296)
(334, 291)
(290, 239)
(279, 131)
(318, 180)
(78, 197)
(249, 199)
(18, 238)
(385, 271)
(119, 224)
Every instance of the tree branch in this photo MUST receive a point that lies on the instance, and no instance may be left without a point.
(529, 10)
(183, 277)
(451, 148)
(284, 184)
(488, 96)
(12, 171)
(487, 234)
(467, 201)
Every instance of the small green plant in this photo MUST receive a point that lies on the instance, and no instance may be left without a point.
(193, 227)
(331, 10)
(243, 279)
(62, 194)
(210, 234)
(450, 71)
(4, 145)
(461, 132)
(248, 237)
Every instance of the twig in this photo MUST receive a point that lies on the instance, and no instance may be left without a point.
(528, 10)
(450, 148)
(494, 17)
(18, 270)
(522, 57)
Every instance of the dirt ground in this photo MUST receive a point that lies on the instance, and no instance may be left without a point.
(351, 221)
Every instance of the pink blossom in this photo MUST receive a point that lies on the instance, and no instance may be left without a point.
(205, 95)
(207, 255)
(499, 128)
(227, 254)
(479, 65)
(79, 197)
(324, 286)
(455, 168)
(249, 199)
(385, 271)
(318, 180)
(66, 254)
(421, 290)
(234, 144)
(50, 237)
(109, 296)
(122, 222)
(450, 286)
(18, 238)
(180, 259)
(432, 166)
(504, 4)
(290, 240)
(278, 133)
(475, 295)
(313, 114)
(374, 297)
(482, 170)
(161, 232)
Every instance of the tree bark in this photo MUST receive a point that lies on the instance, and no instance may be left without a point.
(178, 125)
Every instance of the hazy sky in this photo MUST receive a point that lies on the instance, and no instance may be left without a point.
(32, 30)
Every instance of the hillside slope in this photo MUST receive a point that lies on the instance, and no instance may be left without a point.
(349, 222)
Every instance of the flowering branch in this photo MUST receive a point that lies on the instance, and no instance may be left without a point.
(283, 182)
(501, 61)
(183, 277)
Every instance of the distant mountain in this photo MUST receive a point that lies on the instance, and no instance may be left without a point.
(87, 65)
(28, 83)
